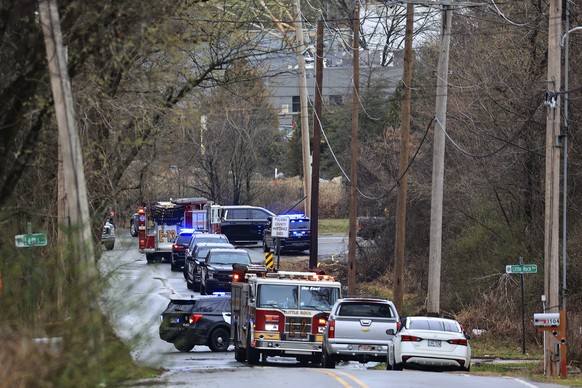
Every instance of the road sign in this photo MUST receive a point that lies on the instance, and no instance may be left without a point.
(30, 240)
(521, 268)
(280, 227)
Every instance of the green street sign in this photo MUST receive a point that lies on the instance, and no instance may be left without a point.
(30, 240)
(521, 268)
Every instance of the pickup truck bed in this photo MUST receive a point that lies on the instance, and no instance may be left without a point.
(359, 329)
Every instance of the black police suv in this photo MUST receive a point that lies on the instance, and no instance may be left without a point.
(200, 320)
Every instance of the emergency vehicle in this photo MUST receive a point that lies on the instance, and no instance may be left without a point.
(160, 223)
(279, 313)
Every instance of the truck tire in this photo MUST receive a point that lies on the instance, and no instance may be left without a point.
(150, 258)
(219, 340)
(253, 355)
(327, 360)
(239, 353)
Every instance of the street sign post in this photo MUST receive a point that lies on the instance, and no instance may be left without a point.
(279, 229)
(521, 268)
(30, 240)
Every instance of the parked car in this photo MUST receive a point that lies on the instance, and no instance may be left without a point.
(133, 223)
(216, 270)
(192, 269)
(201, 320)
(179, 249)
(205, 237)
(243, 223)
(431, 342)
(358, 329)
(108, 234)
(299, 235)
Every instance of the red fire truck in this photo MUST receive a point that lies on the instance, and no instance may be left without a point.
(160, 223)
(279, 313)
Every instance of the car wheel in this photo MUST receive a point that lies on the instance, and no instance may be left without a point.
(219, 340)
(133, 230)
(195, 285)
(239, 353)
(202, 289)
(189, 284)
(183, 345)
(327, 360)
(109, 245)
(253, 355)
(398, 366)
(173, 266)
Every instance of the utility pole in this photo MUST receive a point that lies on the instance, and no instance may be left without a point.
(353, 212)
(400, 242)
(74, 193)
(304, 118)
(438, 166)
(552, 180)
(313, 250)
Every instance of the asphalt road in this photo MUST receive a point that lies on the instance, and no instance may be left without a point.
(137, 292)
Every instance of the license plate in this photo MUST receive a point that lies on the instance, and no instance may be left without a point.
(434, 343)
(174, 320)
(365, 347)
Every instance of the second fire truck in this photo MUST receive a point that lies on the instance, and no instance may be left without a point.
(159, 224)
(279, 313)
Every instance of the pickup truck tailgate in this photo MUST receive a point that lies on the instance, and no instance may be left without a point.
(363, 329)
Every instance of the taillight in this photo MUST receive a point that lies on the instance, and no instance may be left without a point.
(194, 318)
(235, 277)
(462, 342)
(410, 338)
(398, 326)
(331, 329)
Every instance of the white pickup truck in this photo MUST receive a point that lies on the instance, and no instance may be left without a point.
(359, 329)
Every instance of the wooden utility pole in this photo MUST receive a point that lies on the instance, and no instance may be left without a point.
(313, 250)
(355, 146)
(400, 241)
(552, 179)
(438, 166)
(304, 112)
(74, 194)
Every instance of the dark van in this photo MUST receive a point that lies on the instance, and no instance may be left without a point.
(241, 223)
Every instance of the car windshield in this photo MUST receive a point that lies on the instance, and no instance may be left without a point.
(433, 324)
(365, 309)
(293, 296)
(202, 251)
(299, 224)
(184, 239)
(230, 258)
(202, 238)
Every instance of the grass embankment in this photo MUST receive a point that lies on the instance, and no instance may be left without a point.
(333, 226)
